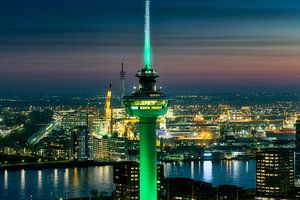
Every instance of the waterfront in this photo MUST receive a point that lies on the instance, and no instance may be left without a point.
(78, 182)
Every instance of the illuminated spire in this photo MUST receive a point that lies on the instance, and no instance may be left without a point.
(107, 108)
(147, 44)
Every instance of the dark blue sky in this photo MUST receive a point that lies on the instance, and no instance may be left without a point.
(198, 45)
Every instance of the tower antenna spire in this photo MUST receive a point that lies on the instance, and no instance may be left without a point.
(147, 43)
(122, 79)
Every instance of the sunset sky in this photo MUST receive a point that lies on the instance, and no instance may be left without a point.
(198, 45)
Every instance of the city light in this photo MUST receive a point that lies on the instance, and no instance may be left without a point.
(221, 123)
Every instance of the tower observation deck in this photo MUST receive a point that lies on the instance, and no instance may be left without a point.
(147, 103)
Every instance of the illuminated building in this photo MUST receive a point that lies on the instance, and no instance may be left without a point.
(104, 148)
(297, 155)
(118, 113)
(106, 123)
(78, 117)
(119, 125)
(101, 150)
(93, 118)
(147, 103)
(108, 111)
(126, 179)
(170, 114)
(83, 146)
(110, 149)
(97, 148)
(298, 135)
(122, 79)
(118, 150)
(274, 173)
(74, 118)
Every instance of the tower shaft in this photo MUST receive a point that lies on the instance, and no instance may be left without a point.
(122, 89)
(148, 156)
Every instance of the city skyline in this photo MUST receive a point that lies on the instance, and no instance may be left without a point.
(209, 46)
(211, 113)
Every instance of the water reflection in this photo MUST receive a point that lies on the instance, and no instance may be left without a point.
(228, 167)
(199, 168)
(66, 178)
(207, 171)
(5, 179)
(40, 179)
(181, 164)
(192, 170)
(106, 172)
(236, 167)
(55, 178)
(75, 178)
(23, 179)
(56, 183)
(216, 172)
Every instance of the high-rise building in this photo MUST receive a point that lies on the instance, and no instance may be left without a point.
(126, 179)
(118, 149)
(102, 149)
(110, 149)
(74, 118)
(298, 135)
(147, 103)
(297, 155)
(83, 145)
(97, 143)
(274, 173)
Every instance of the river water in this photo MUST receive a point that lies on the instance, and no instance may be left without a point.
(78, 182)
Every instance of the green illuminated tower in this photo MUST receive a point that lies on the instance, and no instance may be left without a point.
(147, 103)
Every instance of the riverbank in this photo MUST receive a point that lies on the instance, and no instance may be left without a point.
(70, 164)
(53, 164)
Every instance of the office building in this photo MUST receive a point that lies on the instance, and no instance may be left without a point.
(83, 145)
(297, 160)
(126, 178)
(110, 149)
(274, 173)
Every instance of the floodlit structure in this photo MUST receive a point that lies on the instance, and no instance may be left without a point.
(147, 103)
(107, 123)
(108, 109)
